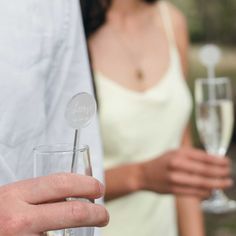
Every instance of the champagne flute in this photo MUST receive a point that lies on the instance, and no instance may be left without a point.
(58, 159)
(214, 118)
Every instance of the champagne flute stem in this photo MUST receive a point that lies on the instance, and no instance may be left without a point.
(218, 194)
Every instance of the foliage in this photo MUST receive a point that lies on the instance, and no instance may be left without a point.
(210, 20)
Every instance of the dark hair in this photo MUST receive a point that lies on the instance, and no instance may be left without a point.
(94, 13)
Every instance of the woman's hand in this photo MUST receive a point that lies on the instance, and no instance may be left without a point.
(186, 171)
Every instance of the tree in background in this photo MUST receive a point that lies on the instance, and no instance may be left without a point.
(210, 20)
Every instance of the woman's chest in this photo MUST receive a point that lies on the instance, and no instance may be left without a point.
(153, 120)
(121, 61)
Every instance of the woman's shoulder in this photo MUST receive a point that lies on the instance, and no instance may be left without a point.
(179, 29)
(178, 18)
(178, 23)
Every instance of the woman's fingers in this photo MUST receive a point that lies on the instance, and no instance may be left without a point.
(199, 155)
(68, 214)
(200, 168)
(199, 182)
(59, 186)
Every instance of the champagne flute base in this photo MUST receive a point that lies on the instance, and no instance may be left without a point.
(218, 204)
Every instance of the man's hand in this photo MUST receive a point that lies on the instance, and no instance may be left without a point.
(33, 206)
(186, 171)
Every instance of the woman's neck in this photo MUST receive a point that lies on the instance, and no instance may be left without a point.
(128, 12)
(126, 8)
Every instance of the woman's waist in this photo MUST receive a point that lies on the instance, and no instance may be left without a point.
(144, 203)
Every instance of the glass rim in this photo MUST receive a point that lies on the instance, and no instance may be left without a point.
(216, 80)
(55, 148)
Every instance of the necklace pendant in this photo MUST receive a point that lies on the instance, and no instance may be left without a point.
(139, 74)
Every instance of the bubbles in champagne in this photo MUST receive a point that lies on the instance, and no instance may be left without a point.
(215, 125)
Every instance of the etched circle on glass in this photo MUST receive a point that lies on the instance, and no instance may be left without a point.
(80, 110)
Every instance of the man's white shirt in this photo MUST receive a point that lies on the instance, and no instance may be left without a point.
(43, 63)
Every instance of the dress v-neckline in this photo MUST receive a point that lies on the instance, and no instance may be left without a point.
(101, 77)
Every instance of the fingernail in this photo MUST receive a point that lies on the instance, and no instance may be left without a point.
(102, 189)
(108, 218)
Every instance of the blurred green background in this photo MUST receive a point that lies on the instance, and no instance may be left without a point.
(210, 20)
(214, 21)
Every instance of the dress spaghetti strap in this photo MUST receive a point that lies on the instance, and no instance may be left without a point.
(168, 24)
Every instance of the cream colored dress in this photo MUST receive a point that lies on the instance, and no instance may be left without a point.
(137, 127)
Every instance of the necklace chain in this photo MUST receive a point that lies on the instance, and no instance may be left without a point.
(138, 71)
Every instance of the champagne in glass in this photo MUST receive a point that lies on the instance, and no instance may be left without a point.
(214, 117)
(215, 123)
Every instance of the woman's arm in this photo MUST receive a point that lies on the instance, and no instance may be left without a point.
(190, 216)
(169, 173)
(122, 180)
